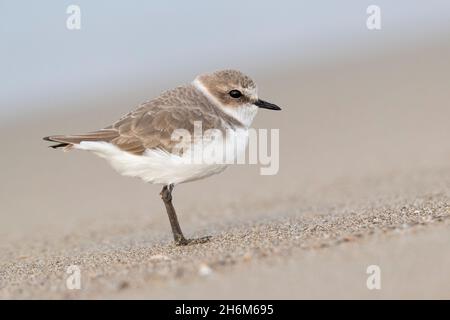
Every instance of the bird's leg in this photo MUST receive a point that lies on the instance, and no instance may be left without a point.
(166, 196)
(180, 240)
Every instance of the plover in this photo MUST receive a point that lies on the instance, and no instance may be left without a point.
(141, 143)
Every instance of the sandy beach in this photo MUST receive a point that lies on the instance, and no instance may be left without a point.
(364, 180)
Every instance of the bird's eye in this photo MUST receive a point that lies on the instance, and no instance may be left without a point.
(235, 94)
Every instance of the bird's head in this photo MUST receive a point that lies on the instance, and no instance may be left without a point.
(234, 92)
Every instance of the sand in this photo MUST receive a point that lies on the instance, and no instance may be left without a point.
(364, 180)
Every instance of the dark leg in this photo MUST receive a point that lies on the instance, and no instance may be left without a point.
(180, 240)
(166, 196)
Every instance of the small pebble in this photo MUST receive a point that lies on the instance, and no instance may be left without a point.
(204, 270)
(123, 285)
(247, 257)
(159, 257)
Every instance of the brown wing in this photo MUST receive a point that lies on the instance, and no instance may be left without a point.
(151, 125)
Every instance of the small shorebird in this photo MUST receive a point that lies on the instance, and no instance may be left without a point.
(141, 143)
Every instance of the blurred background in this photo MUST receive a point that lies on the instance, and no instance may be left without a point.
(136, 46)
(363, 110)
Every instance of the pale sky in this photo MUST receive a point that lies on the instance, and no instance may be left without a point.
(127, 40)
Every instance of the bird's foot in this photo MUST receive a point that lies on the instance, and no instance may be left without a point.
(186, 242)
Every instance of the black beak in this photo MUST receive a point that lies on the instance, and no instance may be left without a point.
(266, 105)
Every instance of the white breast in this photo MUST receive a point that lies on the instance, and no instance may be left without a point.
(160, 167)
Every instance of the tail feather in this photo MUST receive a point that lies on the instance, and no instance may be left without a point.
(67, 141)
(56, 146)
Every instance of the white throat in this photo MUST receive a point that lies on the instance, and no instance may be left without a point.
(244, 114)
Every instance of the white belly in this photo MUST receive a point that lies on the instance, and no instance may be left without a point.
(160, 167)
